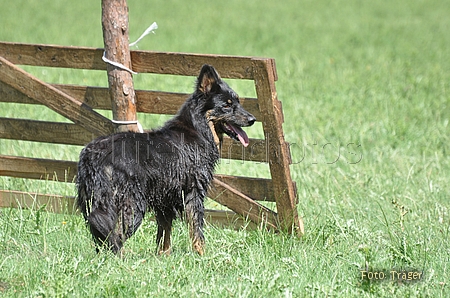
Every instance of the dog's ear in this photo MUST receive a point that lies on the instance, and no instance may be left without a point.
(208, 79)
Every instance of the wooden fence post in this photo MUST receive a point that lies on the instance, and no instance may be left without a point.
(117, 49)
(279, 155)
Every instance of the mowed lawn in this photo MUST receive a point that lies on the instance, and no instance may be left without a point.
(366, 101)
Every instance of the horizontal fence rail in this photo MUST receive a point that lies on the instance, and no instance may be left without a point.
(185, 64)
(72, 134)
(64, 204)
(152, 102)
(65, 171)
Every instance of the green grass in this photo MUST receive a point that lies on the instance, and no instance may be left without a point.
(365, 92)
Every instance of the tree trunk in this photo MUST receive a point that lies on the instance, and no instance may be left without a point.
(116, 40)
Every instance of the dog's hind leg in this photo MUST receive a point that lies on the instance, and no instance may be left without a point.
(163, 245)
(130, 219)
(194, 215)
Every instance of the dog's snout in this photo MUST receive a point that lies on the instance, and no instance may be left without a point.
(251, 119)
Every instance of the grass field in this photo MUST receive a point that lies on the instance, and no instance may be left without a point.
(366, 98)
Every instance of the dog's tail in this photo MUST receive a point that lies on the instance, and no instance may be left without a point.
(90, 182)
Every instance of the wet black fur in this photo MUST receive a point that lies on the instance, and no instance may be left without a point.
(122, 176)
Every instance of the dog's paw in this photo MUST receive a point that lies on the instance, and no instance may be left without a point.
(198, 246)
(162, 252)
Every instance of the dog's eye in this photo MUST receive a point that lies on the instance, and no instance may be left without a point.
(229, 103)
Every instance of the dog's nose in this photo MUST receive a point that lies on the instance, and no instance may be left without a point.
(251, 119)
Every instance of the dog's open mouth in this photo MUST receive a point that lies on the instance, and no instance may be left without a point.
(235, 132)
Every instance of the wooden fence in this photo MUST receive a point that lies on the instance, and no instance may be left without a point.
(78, 104)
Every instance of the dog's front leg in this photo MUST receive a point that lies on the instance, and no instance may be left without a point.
(194, 215)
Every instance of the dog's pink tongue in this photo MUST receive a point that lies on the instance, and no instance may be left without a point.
(242, 136)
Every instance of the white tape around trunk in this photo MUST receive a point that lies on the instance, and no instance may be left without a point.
(120, 122)
(149, 30)
(117, 64)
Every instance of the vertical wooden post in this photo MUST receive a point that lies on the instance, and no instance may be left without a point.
(279, 155)
(117, 49)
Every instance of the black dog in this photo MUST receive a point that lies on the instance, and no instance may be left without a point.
(168, 170)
